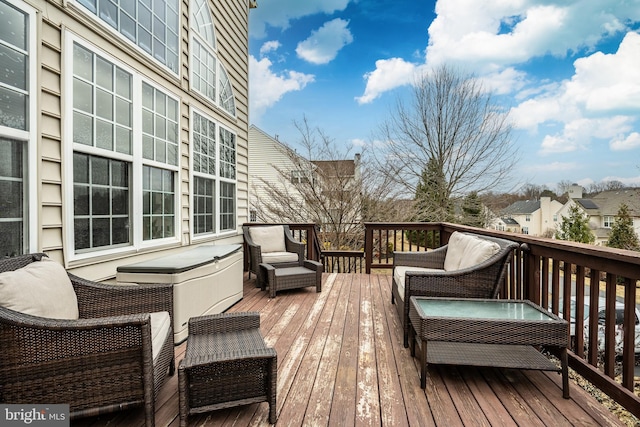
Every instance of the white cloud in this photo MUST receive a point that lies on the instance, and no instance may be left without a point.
(270, 46)
(278, 13)
(508, 32)
(633, 181)
(493, 37)
(389, 74)
(578, 134)
(267, 87)
(358, 142)
(629, 143)
(324, 43)
(609, 82)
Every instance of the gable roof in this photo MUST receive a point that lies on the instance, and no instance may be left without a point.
(608, 202)
(336, 168)
(522, 207)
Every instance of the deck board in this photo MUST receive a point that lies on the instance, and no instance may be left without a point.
(341, 362)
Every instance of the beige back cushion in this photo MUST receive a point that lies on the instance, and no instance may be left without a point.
(465, 251)
(270, 238)
(41, 288)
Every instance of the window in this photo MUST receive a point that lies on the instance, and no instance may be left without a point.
(153, 26)
(525, 230)
(208, 76)
(17, 125)
(123, 195)
(214, 181)
(100, 202)
(607, 221)
(555, 218)
(527, 218)
(300, 176)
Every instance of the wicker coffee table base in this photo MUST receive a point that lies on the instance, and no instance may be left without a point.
(491, 342)
(226, 364)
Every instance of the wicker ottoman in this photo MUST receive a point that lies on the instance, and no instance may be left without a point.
(226, 364)
(279, 279)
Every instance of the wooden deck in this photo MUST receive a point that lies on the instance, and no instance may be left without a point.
(341, 362)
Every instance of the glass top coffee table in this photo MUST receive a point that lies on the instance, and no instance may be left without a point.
(486, 332)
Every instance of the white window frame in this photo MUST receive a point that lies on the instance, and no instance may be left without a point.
(217, 179)
(135, 159)
(211, 48)
(525, 230)
(608, 221)
(30, 135)
(80, 7)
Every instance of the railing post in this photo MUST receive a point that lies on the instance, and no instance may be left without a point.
(368, 248)
(531, 275)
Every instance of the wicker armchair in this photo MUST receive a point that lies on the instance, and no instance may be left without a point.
(432, 280)
(292, 256)
(100, 363)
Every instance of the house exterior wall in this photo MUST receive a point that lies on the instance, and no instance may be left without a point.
(269, 161)
(55, 25)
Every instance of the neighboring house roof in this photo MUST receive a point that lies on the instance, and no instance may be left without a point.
(342, 168)
(608, 202)
(522, 207)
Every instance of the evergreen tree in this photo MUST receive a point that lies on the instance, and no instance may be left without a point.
(575, 227)
(472, 212)
(622, 235)
(432, 197)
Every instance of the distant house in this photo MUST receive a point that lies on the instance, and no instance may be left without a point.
(274, 166)
(533, 217)
(602, 209)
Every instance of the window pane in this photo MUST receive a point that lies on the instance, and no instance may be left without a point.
(120, 227)
(13, 114)
(81, 233)
(104, 104)
(82, 129)
(82, 96)
(80, 200)
(100, 201)
(104, 74)
(82, 62)
(11, 160)
(13, 68)
(14, 26)
(101, 232)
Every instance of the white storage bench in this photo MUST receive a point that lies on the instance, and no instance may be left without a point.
(206, 280)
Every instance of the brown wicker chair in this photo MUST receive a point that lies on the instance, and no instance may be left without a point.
(295, 258)
(480, 281)
(100, 363)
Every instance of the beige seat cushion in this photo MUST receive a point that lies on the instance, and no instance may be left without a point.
(270, 238)
(41, 288)
(464, 251)
(160, 327)
(277, 257)
(399, 274)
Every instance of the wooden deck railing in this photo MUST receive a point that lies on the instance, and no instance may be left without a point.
(537, 273)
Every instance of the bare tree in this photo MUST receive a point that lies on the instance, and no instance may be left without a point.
(453, 122)
(328, 185)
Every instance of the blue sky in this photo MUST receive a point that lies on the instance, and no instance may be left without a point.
(568, 71)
